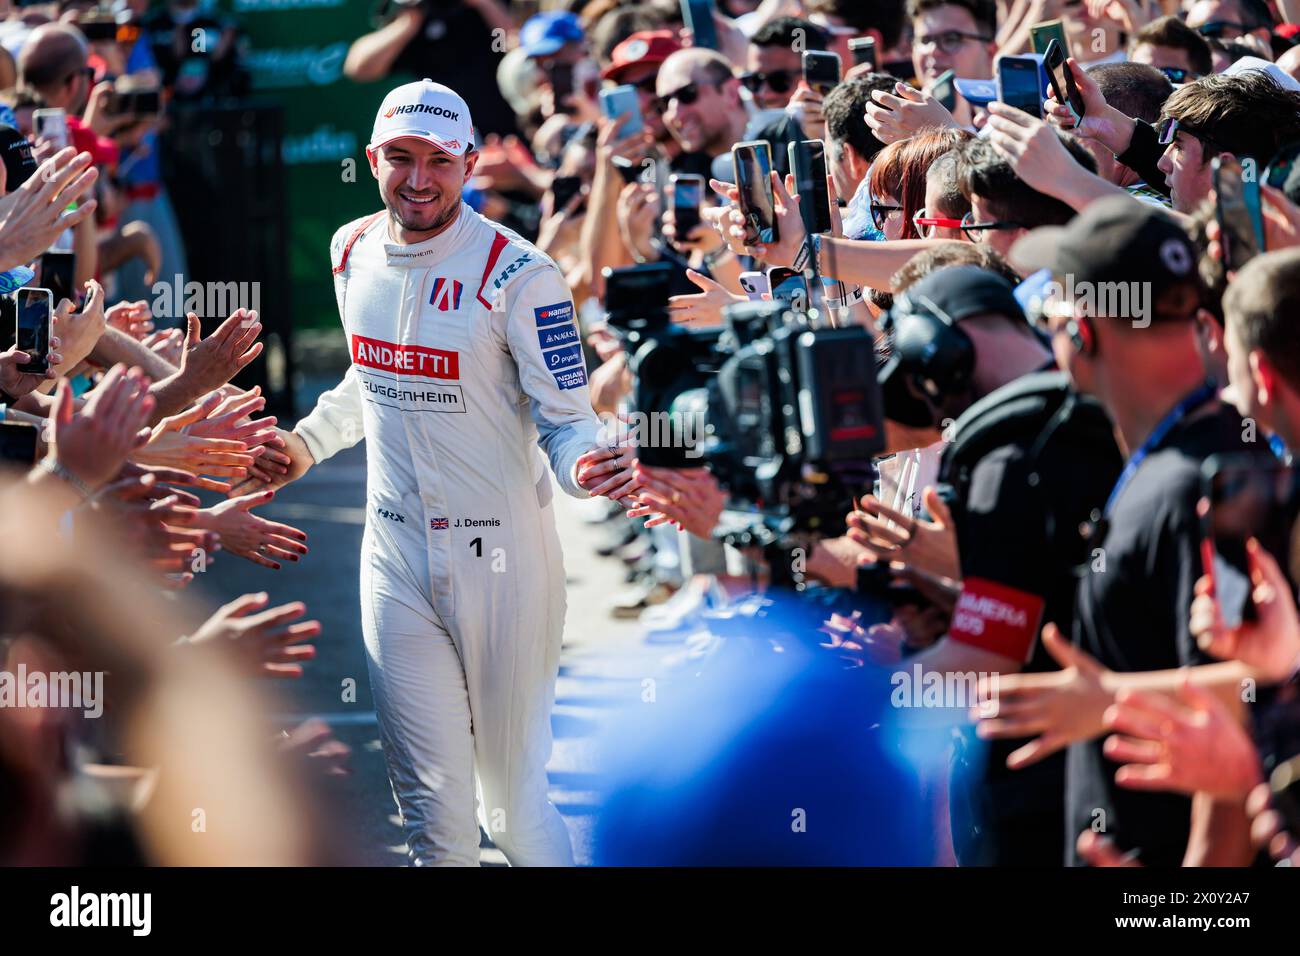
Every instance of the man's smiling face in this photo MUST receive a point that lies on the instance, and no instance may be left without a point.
(420, 184)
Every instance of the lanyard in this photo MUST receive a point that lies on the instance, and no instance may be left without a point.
(1158, 435)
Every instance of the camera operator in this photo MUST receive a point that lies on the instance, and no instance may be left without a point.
(1149, 374)
(1026, 465)
(448, 41)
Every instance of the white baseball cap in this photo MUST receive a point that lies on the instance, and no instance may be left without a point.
(424, 110)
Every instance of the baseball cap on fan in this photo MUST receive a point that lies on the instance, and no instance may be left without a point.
(424, 110)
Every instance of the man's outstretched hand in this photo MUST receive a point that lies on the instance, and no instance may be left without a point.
(261, 478)
(610, 472)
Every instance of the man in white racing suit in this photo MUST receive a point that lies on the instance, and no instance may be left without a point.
(465, 358)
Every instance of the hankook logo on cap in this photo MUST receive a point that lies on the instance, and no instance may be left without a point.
(1175, 256)
(636, 49)
(421, 108)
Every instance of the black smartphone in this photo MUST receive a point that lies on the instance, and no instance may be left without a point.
(821, 70)
(32, 317)
(1061, 78)
(58, 274)
(560, 76)
(753, 162)
(688, 194)
(945, 90)
(697, 16)
(143, 103)
(863, 50)
(1246, 497)
(808, 164)
(18, 443)
(1238, 210)
(16, 153)
(563, 189)
(1018, 84)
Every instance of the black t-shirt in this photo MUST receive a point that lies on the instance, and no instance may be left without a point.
(1023, 501)
(455, 48)
(1135, 616)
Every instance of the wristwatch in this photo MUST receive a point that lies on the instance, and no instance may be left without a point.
(711, 259)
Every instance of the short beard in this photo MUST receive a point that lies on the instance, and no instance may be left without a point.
(439, 223)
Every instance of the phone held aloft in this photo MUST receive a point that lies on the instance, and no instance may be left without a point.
(31, 312)
(753, 167)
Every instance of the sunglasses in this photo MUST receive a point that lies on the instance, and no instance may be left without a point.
(1215, 29)
(686, 95)
(778, 81)
(973, 230)
(924, 223)
(1177, 74)
(881, 212)
(1169, 129)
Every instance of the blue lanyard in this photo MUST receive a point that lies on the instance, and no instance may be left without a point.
(1158, 435)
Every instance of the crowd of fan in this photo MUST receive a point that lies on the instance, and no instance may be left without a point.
(134, 420)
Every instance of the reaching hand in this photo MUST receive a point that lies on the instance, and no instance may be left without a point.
(94, 442)
(135, 319)
(1270, 644)
(294, 459)
(1060, 707)
(169, 445)
(207, 364)
(1033, 149)
(1183, 746)
(1101, 121)
(689, 498)
(908, 112)
(703, 309)
(263, 642)
(249, 536)
(315, 745)
(33, 216)
(890, 535)
(790, 229)
(80, 331)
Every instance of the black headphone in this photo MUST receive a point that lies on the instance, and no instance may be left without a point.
(928, 374)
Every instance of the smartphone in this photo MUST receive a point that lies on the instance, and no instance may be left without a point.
(808, 164)
(51, 124)
(142, 103)
(697, 16)
(753, 167)
(18, 442)
(755, 285)
(1061, 77)
(1021, 83)
(788, 286)
(688, 194)
(1245, 496)
(560, 76)
(58, 274)
(623, 103)
(863, 50)
(1043, 33)
(1237, 207)
(563, 189)
(821, 70)
(32, 324)
(945, 90)
(16, 153)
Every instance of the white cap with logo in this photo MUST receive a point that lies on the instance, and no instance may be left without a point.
(425, 110)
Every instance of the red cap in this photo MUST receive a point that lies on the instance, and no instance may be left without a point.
(648, 46)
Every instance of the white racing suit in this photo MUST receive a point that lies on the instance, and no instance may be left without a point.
(462, 580)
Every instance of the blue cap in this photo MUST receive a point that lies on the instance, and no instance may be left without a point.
(977, 92)
(544, 33)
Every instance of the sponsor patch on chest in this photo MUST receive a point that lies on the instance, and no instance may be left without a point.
(410, 377)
